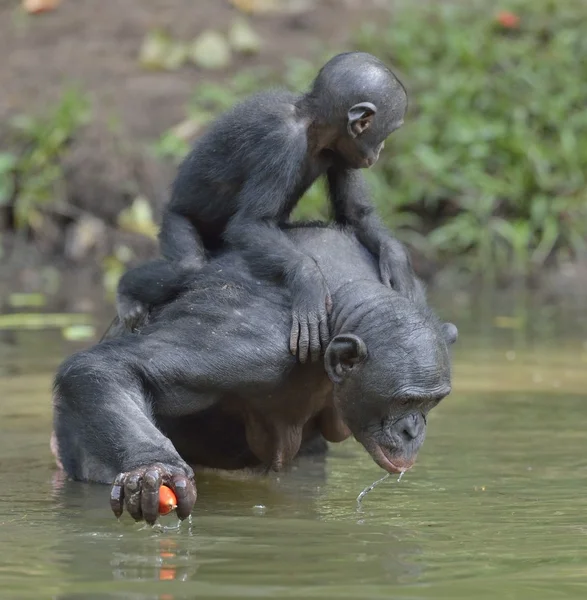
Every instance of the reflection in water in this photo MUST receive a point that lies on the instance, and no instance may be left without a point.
(494, 508)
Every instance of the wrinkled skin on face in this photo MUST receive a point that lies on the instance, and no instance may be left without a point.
(384, 392)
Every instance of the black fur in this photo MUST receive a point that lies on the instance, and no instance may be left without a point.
(245, 175)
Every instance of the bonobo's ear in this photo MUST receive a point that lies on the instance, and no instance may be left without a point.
(344, 353)
(450, 332)
(360, 117)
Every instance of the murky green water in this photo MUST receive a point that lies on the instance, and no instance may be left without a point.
(495, 508)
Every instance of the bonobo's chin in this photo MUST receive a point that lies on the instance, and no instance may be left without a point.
(383, 457)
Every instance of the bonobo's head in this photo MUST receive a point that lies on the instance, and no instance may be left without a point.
(387, 376)
(360, 102)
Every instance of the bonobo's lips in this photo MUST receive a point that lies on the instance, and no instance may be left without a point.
(381, 456)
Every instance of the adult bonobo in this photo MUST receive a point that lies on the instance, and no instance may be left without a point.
(210, 380)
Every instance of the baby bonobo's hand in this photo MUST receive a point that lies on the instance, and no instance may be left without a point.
(138, 491)
(311, 306)
(396, 269)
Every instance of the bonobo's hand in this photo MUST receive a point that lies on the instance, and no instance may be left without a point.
(396, 269)
(311, 306)
(139, 491)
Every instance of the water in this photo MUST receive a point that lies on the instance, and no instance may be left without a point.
(495, 507)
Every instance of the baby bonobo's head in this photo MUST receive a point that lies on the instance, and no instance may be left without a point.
(359, 101)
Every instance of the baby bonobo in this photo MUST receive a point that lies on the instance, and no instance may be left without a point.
(245, 175)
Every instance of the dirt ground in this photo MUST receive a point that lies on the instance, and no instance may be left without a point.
(95, 45)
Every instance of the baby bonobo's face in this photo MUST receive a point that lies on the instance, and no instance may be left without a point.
(362, 151)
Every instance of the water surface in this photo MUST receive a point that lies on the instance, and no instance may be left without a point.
(495, 507)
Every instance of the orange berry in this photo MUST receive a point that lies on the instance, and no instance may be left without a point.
(167, 500)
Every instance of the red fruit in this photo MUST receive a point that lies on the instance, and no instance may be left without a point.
(508, 19)
(167, 500)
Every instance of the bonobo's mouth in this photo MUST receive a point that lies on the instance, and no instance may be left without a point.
(396, 465)
(381, 456)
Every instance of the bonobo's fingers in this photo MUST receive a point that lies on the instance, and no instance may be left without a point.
(396, 270)
(315, 346)
(328, 303)
(311, 304)
(138, 490)
(185, 492)
(150, 495)
(324, 333)
(117, 495)
(132, 495)
(385, 272)
(304, 341)
(294, 335)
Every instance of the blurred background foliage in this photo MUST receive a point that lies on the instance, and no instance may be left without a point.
(489, 169)
(488, 172)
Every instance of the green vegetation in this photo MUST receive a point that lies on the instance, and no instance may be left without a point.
(489, 170)
(494, 155)
(33, 176)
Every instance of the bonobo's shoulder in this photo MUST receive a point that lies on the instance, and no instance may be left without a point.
(268, 102)
(269, 111)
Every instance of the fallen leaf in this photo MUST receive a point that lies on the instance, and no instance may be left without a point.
(243, 38)
(159, 52)
(210, 50)
(138, 218)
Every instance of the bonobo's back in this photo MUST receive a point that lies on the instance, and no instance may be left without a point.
(338, 253)
(209, 178)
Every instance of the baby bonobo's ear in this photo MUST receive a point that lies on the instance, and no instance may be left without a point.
(360, 117)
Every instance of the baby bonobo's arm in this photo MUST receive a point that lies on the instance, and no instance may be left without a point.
(263, 203)
(350, 199)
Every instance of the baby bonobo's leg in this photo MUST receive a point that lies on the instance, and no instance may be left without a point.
(148, 285)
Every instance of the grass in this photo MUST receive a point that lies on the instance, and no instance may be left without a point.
(33, 176)
(493, 158)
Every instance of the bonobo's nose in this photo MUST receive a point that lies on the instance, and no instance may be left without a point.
(410, 426)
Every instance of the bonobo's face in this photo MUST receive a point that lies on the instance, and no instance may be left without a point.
(362, 152)
(385, 387)
(367, 127)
